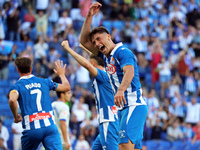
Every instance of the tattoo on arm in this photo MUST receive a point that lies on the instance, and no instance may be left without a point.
(124, 84)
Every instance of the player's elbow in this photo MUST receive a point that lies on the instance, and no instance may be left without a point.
(11, 101)
(87, 66)
(67, 88)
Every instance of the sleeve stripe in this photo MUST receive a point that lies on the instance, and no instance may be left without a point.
(14, 91)
(63, 120)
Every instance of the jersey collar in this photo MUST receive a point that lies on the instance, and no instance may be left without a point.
(116, 47)
(26, 77)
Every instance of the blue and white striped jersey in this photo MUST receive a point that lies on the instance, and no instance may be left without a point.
(34, 101)
(120, 57)
(106, 108)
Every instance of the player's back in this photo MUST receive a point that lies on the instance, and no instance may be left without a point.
(104, 97)
(34, 101)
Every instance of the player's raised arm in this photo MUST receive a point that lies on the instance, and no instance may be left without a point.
(85, 31)
(81, 60)
(60, 71)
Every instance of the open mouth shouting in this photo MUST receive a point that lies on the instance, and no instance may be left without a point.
(102, 48)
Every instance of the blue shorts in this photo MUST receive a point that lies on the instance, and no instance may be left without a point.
(108, 137)
(131, 124)
(165, 78)
(49, 136)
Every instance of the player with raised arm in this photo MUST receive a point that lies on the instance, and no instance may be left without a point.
(122, 70)
(62, 117)
(106, 109)
(32, 94)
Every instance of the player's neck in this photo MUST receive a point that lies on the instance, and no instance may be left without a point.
(62, 100)
(24, 74)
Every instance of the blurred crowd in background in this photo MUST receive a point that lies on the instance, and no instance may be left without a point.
(163, 34)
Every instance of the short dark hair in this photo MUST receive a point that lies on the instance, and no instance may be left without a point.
(100, 29)
(98, 59)
(59, 94)
(23, 64)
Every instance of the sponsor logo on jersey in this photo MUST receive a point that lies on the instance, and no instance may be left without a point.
(114, 109)
(111, 69)
(104, 147)
(122, 133)
(39, 116)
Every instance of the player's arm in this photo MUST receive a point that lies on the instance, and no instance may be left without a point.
(85, 31)
(63, 127)
(13, 96)
(126, 81)
(81, 60)
(60, 71)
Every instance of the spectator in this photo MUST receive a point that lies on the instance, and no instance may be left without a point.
(82, 144)
(187, 131)
(64, 22)
(177, 108)
(156, 130)
(17, 133)
(156, 54)
(41, 21)
(4, 134)
(13, 24)
(29, 17)
(164, 75)
(190, 84)
(42, 5)
(126, 32)
(53, 8)
(174, 132)
(5, 59)
(82, 77)
(40, 49)
(193, 111)
(196, 130)
(84, 7)
(2, 30)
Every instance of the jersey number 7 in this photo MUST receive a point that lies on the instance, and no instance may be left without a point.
(38, 98)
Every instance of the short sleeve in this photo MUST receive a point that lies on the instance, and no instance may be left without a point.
(52, 85)
(63, 115)
(101, 76)
(14, 88)
(126, 57)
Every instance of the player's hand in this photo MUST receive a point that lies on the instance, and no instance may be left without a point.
(65, 45)
(67, 145)
(94, 8)
(119, 98)
(60, 69)
(18, 119)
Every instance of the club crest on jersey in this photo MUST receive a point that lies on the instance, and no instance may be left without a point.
(112, 61)
(111, 69)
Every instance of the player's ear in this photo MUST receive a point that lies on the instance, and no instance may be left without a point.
(109, 36)
(31, 69)
(18, 70)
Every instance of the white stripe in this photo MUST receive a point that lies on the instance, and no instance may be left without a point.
(111, 114)
(27, 123)
(105, 129)
(37, 124)
(46, 121)
(113, 88)
(52, 116)
(131, 109)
